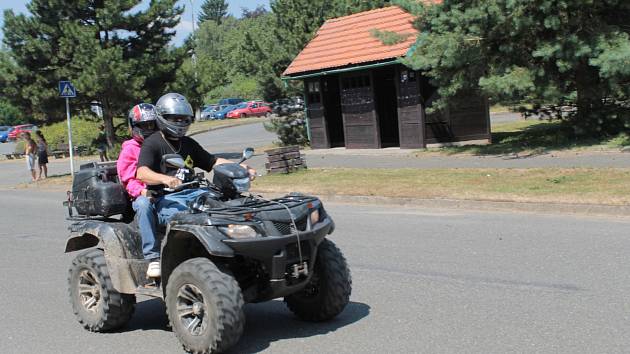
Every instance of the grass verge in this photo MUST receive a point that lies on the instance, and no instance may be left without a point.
(574, 186)
(535, 137)
(205, 125)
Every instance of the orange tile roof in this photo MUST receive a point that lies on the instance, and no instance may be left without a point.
(347, 40)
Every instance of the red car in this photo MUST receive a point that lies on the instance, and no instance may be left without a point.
(19, 129)
(250, 109)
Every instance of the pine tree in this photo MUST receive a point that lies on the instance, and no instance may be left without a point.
(213, 10)
(569, 59)
(111, 53)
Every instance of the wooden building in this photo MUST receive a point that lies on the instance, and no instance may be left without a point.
(359, 95)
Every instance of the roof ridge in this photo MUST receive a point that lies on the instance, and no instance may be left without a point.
(364, 13)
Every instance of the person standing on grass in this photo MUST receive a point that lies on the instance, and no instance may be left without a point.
(30, 148)
(101, 144)
(42, 154)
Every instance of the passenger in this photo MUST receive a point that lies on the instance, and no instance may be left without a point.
(175, 115)
(142, 123)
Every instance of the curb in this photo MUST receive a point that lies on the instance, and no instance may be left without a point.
(482, 205)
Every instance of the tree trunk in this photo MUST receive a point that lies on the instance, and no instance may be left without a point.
(589, 100)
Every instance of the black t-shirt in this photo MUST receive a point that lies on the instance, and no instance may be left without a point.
(155, 146)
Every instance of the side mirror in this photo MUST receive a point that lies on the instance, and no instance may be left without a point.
(173, 160)
(247, 154)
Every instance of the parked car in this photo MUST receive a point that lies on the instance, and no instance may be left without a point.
(222, 113)
(230, 101)
(206, 113)
(19, 129)
(4, 133)
(286, 106)
(250, 109)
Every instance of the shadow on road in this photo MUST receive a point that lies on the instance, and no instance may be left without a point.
(149, 315)
(272, 321)
(266, 323)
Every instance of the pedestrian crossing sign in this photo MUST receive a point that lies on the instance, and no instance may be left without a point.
(66, 89)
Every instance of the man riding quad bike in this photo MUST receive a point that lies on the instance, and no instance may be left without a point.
(226, 249)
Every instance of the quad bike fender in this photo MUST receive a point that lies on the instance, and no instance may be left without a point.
(208, 236)
(122, 248)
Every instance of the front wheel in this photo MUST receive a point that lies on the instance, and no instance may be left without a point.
(328, 291)
(204, 306)
(95, 302)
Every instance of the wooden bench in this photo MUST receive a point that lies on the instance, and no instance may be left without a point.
(284, 160)
(62, 150)
(16, 155)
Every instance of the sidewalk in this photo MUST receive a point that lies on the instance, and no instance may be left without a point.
(403, 158)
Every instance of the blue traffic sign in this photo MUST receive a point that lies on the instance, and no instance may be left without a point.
(66, 89)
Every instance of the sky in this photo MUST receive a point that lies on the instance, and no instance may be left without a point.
(183, 29)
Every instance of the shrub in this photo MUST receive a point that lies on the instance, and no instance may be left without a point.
(291, 130)
(84, 131)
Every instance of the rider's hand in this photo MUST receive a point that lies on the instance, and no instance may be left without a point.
(251, 171)
(147, 194)
(171, 182)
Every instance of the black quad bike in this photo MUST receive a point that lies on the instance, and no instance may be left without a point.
(226, 250)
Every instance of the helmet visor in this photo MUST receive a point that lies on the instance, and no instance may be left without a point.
(148, 125)
(178, 118)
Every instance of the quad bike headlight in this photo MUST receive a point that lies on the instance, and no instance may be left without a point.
(239, 231)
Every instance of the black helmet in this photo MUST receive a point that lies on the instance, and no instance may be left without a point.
(142, 120)
(175, 114)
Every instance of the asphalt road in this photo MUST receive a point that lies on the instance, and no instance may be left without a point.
(424, 281)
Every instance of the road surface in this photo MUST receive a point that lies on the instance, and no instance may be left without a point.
(424, 281)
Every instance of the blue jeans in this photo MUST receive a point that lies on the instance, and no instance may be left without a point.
(173, 203)
(145, 214)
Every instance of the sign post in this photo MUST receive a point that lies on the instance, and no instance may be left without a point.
(66, 90)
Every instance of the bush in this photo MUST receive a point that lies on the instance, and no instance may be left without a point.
(291, 130)
(84, 131)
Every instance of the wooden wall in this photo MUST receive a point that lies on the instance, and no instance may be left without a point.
(466, 118)
(469, 117)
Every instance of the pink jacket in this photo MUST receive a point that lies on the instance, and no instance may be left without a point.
(127, 165)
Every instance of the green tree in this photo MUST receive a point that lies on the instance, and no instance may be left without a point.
(258, 11)
(112, 53)
(9, 114)
(298, 20)
(213, 10)
(570, 59)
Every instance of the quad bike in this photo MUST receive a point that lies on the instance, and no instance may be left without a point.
(226, 250)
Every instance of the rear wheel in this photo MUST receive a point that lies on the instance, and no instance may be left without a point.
(328, 291)
(95, 302)
(204, 306)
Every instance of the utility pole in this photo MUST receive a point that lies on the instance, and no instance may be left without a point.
(194, 54)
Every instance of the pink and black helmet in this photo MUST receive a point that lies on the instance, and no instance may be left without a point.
(142, 120)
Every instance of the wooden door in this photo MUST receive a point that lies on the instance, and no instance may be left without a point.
(315, 112)
(361, 129)
(410, 112)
